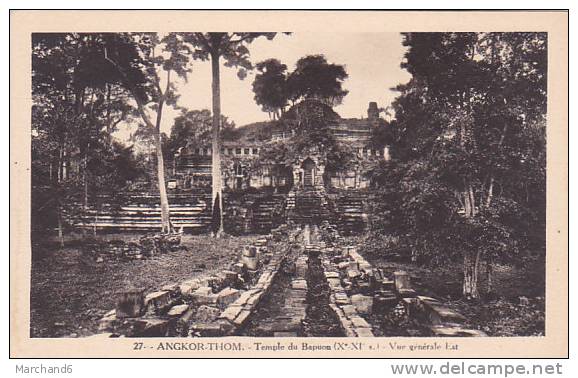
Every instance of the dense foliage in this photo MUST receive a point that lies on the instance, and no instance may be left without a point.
(312, 79)
(270, 87)
(78, 102)
(193, 128)
(467, 177)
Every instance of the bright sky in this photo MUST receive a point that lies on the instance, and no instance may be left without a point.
(371, 59)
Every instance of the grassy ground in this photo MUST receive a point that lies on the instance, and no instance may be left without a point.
(500, 314)
(70, 291)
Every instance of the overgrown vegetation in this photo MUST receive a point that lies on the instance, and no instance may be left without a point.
(313, 78)
(468, 169)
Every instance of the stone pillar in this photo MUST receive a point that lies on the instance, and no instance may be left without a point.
(319, 172)
(296, 181)
(401, 279)
(386, 155)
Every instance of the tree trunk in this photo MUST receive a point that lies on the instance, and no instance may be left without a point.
(60, 227)
(471, 258)
(491, 187)
(471, 265)
(165, 214)
(489, 275)
(216, 194)
(85, 179)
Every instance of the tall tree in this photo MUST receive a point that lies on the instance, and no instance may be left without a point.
(139, 59)
(472, 116)
(76, 108)
(232, 47)
(270, 87)
(315, 78)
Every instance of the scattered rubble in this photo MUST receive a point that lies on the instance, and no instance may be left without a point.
(326, 289)
(147, 246)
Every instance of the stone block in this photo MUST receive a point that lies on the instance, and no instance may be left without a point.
(246, 296)
(255, 298)
(343, 265)
(130, 304)
(364, 332)
(157, 301)
(353, 274)
(250, 262)
(445, 331)
(172, 288)
(242, 318)
(409, 304)
(422, 300)
(388, 284)
(334, 282)
(349, 332)
(355, 256)
(178, 310)
(438, 315)
(206, 329)
(204, 295)
(366, 268)
(227, 296)
(231, 313)
(265, 277)
(206, 314)
(152, 327)
(106, 323)
(407, 293)
(238, 267)
(342, 299)
(402, 280)
(299, 285)
(182, 324)
(349, 310)
(189, 286)
(362, 303)
(329, 275)
(359, 322)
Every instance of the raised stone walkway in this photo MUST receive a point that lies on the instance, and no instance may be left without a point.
(293, 282)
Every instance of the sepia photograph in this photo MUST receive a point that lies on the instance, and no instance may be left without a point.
(290, 184)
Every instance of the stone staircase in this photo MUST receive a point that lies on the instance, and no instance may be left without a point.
(308, 206)
(268, 213)
(349, 213)
(142, 212)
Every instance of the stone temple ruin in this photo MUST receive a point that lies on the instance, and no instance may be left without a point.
(260, 194)
(302, 278)
(294, 282)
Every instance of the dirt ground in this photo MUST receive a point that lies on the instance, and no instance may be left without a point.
(70, 291)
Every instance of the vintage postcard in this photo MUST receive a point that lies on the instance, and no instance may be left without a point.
(338, 184)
